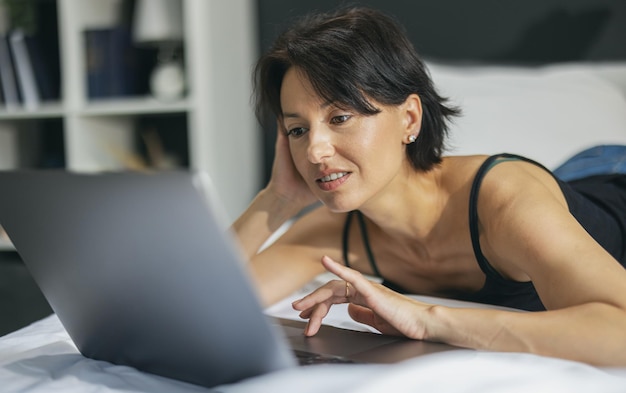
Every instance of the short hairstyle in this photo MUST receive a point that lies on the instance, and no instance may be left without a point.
(352, 56)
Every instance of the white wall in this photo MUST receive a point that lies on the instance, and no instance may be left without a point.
(222, 37)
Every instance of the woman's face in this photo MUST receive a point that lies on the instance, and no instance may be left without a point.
(347, 159)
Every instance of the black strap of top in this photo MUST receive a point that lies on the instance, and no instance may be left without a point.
(473, 219)
(489, 163)
(344, 239)
(364, 237)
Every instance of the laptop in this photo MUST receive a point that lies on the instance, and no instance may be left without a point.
(141, 270)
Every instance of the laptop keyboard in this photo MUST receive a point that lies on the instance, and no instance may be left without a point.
(308, 358)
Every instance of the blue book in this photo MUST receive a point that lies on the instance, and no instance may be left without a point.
(113, 66)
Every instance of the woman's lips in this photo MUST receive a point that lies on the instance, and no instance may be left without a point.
(332, 181)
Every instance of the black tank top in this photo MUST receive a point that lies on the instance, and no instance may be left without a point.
(598, 203)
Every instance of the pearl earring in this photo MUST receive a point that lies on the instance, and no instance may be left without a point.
(412, 138)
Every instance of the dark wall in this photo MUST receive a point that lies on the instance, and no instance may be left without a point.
(492, 31)
(486, 30)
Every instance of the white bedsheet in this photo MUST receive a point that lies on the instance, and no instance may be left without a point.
(42, 358)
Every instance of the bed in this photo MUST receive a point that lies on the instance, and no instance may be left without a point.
(42, 358)
(546, 108)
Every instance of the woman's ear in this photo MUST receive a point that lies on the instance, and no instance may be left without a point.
(412, 112)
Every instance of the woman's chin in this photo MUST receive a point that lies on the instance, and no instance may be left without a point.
(337, 206)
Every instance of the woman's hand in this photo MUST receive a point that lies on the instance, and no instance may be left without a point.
(285, 195)
(286, 183)
(372, 304)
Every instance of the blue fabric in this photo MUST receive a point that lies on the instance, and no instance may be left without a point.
(598, 160)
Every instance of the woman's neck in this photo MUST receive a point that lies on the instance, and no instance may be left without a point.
(410, 206)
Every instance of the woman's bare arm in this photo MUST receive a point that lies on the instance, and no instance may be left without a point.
(285, 195)
(526, 232)
(265, 215)
(278, 270)
(591, 332)
(293, 260)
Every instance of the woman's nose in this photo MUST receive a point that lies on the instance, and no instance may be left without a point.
(320, 146)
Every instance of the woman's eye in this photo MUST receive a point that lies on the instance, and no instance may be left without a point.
(296, 132)
(340, 119)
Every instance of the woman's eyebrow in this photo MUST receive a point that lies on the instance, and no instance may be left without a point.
(292, 115)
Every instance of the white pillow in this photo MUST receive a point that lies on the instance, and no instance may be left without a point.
(545, 113)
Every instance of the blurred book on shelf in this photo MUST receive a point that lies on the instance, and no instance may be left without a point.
(7, 77)
(45, 67)
(29, 92)
(115, 67)
(29, 54)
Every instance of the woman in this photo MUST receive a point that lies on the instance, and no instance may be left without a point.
(362, 129)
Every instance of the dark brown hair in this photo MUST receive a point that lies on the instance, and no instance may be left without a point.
(351, 57)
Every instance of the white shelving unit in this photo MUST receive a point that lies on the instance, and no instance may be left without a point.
(223, 137)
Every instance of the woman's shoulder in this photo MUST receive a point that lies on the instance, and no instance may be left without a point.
(497, 178)
(456, 170)
(464, 161)
(469, 166)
